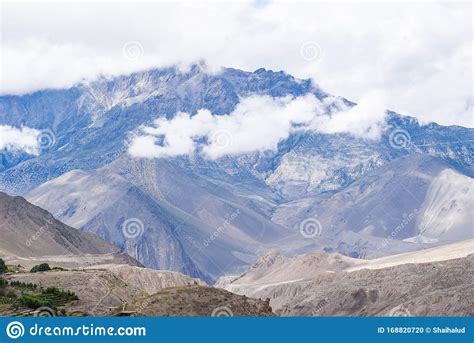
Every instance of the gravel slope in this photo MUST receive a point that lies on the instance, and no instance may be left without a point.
(433, 282)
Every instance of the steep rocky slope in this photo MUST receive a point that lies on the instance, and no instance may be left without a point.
(429, 282)
(201, 301)
(184, 223)
(29, 231)
(401, 206)
(106, 282)
(426, 289)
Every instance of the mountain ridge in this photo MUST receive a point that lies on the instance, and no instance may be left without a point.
(187, 201)
(322, 284)
(26, 228)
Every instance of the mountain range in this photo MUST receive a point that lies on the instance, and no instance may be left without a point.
(212, 217)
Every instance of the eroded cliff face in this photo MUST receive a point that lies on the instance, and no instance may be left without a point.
(432, 282)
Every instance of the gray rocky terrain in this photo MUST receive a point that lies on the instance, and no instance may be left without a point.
(427, 289)
(435, 282)
(105, 281)
(30, 236)
(30, 231)
(106, 289)
(201, 301)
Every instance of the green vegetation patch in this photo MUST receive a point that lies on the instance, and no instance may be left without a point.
(3, 267)
(43, 267)
(29, 295)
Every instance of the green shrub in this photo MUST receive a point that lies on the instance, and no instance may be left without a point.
(58, 296)
(4, 300)
(19, 284)
(32, 301)
(3, 267)
(43, 267)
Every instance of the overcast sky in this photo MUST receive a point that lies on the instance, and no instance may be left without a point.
(418, 55)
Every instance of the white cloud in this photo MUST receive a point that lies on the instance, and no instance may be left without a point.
(25, 139)
(419, 53)
(258, 123)
(366, 120)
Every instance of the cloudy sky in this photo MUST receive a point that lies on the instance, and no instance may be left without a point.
(419, 55)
